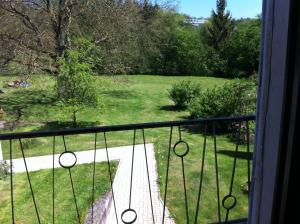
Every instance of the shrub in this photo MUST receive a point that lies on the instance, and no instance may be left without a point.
(235, 98)
(4, 170)
(183, 93)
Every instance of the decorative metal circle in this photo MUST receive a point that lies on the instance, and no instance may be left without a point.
(130, 215)
(65, 162)
(226, 198)
(184, 153)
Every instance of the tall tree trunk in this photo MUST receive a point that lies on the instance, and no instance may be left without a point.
(63, 35)
(74, 119)
(63, 26)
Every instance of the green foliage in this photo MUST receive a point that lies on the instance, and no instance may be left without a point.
(232, 46)
(140, 37)
(76, 83)
(216, 63)
(215, 35)
(236, 98)
(187, 53)
(242, 48)
(182, 93)
(4, 170)
(238, 56)
(182, 51)
(220, 26)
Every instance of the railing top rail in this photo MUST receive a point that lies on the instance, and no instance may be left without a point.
(125, 127)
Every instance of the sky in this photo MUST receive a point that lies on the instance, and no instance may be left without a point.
(238, 8)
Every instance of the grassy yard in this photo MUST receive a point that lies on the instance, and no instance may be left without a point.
(65, 210)
(127, 99)
(134, 99)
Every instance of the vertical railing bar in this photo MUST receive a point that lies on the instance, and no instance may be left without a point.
(217, 171)
(167, 175)
(248, 157)
(201, 174)
(234, 168)
(75, 200)
(184, 181)
(179, 132)
(53, 183)
(131, 173)
(185, 193)
(148, 175)
(235, 158)
(11, 183)
(110, 176)
(147, 168)
(94, 171)
(72, 184)
(64, 142)
(29, 181)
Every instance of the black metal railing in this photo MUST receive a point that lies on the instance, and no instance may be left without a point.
(173, 156)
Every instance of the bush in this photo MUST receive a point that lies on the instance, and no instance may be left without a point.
(232, 99)
(183, 93)
(4, 170)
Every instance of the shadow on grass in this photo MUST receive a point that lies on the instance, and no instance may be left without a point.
(220, 127)
(200, 129)
(121, 94)
(238, 155)
(56, 125)
(22, 99)
(9, 73)
(171, 108)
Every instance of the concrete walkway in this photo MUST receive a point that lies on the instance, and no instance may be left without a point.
(140, 200)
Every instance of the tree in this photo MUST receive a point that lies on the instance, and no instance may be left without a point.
(36, 29)
(184, 54)
(78, 82)
(220, 26)
(242, 48)
(123, 32)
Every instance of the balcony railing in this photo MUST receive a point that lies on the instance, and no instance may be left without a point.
(187, 172)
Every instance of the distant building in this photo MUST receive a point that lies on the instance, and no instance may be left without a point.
(196, 22)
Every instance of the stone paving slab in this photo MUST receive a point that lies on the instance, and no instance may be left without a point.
(140, 201)
(83, 157)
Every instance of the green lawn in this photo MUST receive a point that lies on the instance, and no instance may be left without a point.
(65, 210)
(127, 99)
(135, 99)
